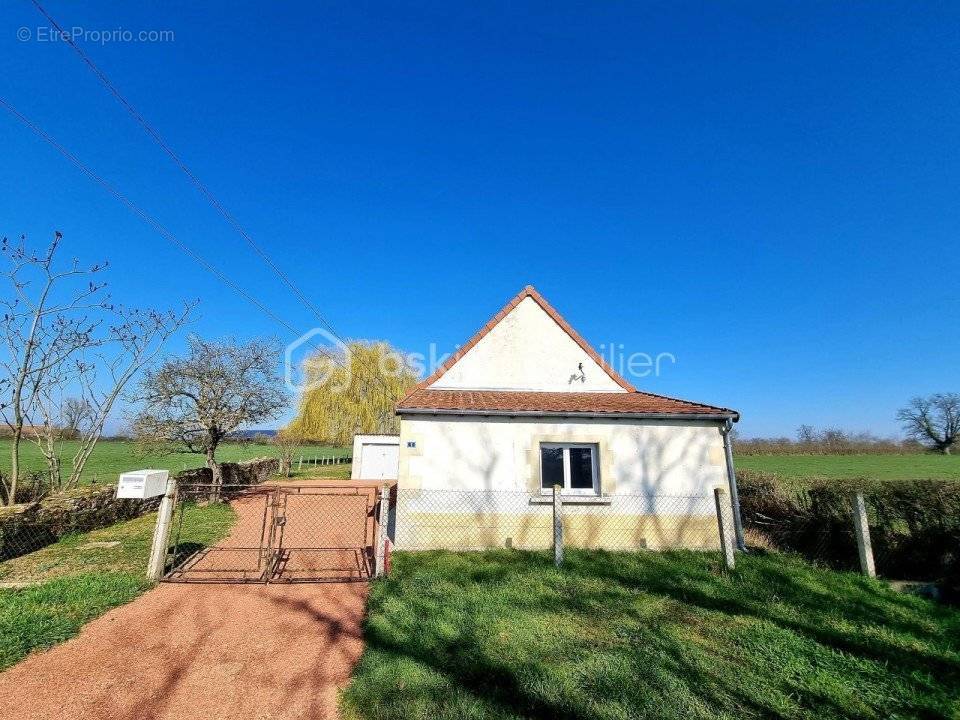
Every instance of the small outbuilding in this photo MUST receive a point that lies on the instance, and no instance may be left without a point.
(375, 457)
(527, 404)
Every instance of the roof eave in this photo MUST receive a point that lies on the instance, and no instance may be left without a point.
(715, 416)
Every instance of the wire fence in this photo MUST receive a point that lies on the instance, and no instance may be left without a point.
(913, 527)
(320, 460)
(275, 533)
(827, 541)
(476, 520)
(914, 532)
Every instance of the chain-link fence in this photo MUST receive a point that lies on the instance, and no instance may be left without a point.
(308, 533)
(274, 533)
(911, 528)
(476, 520)
(825, 539)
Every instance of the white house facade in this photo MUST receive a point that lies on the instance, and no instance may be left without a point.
(527, 405)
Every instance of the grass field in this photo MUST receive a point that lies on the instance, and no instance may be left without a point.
(112, 457)
(82, 576)
(884, 467)
(613, 636)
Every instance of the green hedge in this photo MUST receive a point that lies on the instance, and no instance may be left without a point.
(914, 524)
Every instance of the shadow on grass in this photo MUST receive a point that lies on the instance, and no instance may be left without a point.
(805, 600)
(184, 552)
(503, 634)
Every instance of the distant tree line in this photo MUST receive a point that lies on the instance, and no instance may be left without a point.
(828, 441)
(930, 424)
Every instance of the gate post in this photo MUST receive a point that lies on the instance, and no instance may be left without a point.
(381, 538)
(161, 532)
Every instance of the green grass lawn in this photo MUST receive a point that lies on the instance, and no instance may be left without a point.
(502, 634)
(112, 457)
(82, 576)
(884, 467)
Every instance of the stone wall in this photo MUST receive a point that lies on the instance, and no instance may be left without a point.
(30, 526)
(252, 472)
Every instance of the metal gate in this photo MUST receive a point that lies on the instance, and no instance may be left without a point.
(273, 534)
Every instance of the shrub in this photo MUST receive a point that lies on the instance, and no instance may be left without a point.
(914, 524)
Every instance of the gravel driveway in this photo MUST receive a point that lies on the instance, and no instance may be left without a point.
(199, 651)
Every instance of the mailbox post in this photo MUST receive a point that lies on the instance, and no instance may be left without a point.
(144, 484)
(161, 532)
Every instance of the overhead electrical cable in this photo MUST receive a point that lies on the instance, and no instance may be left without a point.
(204, 190)
(158, 226)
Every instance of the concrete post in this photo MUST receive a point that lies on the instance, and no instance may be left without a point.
(383, 517)
(161, 532)
(557, 527)
(861, 528)
(725, 523)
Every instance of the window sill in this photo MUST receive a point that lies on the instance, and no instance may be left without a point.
(571, 500)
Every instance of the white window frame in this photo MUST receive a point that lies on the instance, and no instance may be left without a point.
(566, 489)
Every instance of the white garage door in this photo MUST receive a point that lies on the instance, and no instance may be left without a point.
(379, 461)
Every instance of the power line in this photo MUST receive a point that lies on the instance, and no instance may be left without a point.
(204, 190)
(160, 228)
(211, 198)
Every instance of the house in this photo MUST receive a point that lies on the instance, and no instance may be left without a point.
(527, 404)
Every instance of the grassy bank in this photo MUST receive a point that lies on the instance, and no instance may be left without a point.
(884, 467)
(112, 457)
(48, 595)
(503, 635)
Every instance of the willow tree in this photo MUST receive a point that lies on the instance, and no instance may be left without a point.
(355, 391)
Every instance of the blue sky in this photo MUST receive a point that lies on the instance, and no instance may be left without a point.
(767, 191)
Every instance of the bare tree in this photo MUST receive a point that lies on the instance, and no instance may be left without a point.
(75, 414)
(45, 427)
(933, 421)
(806, 435)
(100, 377)
(66, 337)
(48, 320)
(135, 343)
(288, 442)
(193, 403)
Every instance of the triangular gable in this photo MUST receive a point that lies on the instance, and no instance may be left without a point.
(489, 357)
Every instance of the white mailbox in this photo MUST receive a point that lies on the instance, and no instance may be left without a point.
(142, 484)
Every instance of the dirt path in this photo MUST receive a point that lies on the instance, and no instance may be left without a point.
(186, 651)
(250, 652)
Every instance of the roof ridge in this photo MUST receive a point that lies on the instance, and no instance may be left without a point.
(528, 291)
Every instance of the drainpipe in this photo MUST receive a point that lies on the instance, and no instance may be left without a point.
(725, 429)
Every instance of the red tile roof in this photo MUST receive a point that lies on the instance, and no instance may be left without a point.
(506, 402)
(528, 292)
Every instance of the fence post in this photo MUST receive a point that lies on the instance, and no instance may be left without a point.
(725, 523)
(382, 521)
(557, 527)
(161, 532)
(861, 528)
